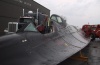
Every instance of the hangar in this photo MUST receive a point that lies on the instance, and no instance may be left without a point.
(11, 10)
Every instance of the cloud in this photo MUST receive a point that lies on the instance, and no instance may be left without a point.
(77, 12)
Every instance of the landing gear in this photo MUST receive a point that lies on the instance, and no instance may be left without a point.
(80, 57)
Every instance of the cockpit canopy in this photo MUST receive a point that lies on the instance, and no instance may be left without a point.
(58, 19)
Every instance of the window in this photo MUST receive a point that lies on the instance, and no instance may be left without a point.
(93, 28)
(26, 20)
(30, 27)
(59, 20)
(53, 18)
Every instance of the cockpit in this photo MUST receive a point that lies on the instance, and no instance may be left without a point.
(58, 19)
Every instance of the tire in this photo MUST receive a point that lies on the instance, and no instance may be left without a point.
(92, 37)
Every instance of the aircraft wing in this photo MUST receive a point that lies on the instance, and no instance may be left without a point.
(33, 48)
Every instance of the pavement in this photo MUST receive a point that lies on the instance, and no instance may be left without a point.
(92, 51)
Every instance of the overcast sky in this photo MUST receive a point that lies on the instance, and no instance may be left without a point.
(77, 12)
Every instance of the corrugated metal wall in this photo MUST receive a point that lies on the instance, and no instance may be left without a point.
(11, 10)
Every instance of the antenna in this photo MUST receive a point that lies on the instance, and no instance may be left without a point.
(37, 13)
(88, 23)
(23, 12)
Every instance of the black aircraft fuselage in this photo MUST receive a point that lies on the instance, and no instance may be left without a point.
(29, 47)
